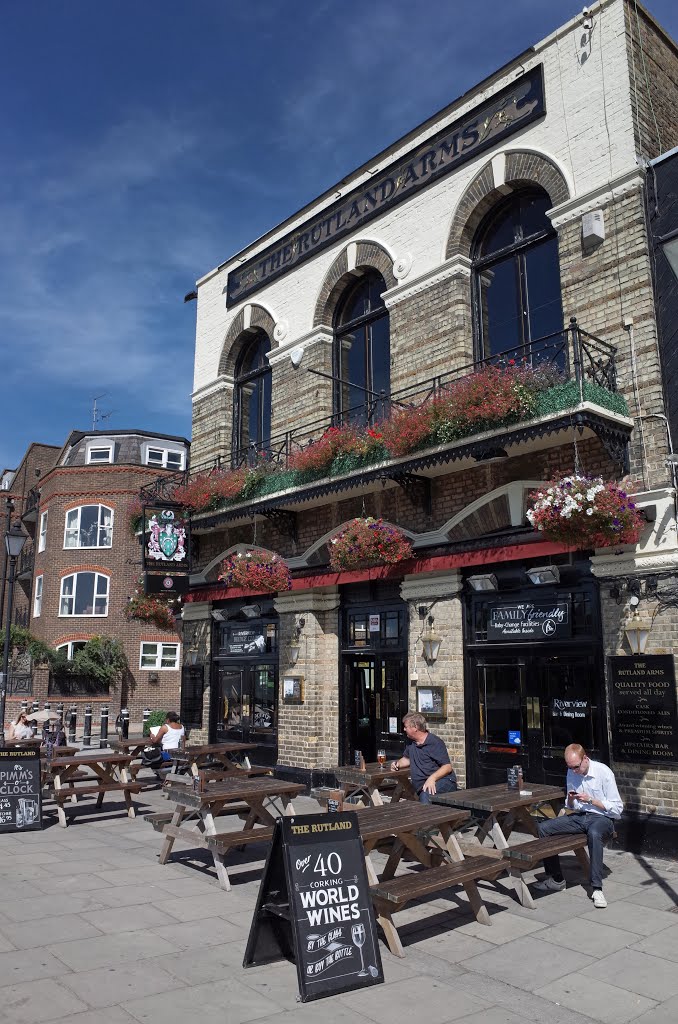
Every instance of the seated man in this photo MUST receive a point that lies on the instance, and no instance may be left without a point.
(427, 758)
(592, 793)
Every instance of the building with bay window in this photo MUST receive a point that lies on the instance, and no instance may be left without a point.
(507, 241)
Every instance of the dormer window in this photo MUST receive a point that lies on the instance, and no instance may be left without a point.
(165, 458)
(100, 455)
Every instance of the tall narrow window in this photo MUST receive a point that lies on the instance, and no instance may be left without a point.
(252, 408)
(362, 352)
(37, 598)
(42, 539)
(517, 280)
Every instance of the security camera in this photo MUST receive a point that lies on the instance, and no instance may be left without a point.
(296, 355)
(587, 21)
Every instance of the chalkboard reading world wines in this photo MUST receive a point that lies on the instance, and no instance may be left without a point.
(643, 692)
(20, 807)
(314, 906)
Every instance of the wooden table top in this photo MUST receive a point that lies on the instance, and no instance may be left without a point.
(372, 773)
(227, 747)
(132, 741)
(407, 816)
(85, 759)
(232, 789)
(500, 798)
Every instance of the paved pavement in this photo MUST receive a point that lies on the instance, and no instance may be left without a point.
(94, 931)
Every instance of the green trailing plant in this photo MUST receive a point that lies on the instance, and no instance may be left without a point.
(24, 642)
(155, 718)
(102, 658)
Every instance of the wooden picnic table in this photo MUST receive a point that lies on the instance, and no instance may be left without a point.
(366, 782)
(107, 773)
(498, 810)
(193, 817)
(223, 754)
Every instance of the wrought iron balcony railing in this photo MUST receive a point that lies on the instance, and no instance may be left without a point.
(579, 356)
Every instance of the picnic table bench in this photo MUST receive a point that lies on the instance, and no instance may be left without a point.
(108, 773)
(371, 781)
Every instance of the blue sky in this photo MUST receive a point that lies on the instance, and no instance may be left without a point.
(144, 142)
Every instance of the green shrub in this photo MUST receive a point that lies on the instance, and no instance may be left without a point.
(155, 718)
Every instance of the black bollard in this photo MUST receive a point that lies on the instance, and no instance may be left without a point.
(24, 706)
(147, 715)
(60, 713)
(72, 722)
(103, 739)
(36, 705)
(87, 731)
(124, 715)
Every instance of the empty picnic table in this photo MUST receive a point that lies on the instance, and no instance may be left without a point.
(192, 819)
(107, 773)
(366, 782)
(498, 810)
(224, 755)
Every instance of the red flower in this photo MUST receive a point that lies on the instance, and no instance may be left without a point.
(366, 542)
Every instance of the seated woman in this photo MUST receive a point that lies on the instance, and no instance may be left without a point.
(20, 729)
(170, 736)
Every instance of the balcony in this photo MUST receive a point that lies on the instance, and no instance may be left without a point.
(524, 399)
(30, 512)
(25, 563)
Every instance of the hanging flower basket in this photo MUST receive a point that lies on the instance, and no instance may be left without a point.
(256, 570)
(367, 541)
(585, 511)
(147, 608)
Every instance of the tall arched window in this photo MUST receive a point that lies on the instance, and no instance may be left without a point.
(517, 278)
(362, 352)
(252, 407)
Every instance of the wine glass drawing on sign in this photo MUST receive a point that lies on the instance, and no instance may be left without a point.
(358, 936)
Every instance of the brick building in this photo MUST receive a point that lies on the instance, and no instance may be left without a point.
(82, 563)
(511, 228)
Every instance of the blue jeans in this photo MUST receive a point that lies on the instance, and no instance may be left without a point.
(596, 826)
(446, 785)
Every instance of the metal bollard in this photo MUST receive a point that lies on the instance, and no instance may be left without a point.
(72, 722)
(103, 739)
(24, 706)
(124, 715)
(87, 731)
(60, 713)
(36, 705)
(47, 706)
(147, 715)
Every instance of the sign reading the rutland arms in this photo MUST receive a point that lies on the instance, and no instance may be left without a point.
(529, 620)
(508, 111)
(643, 697)
(166, 543)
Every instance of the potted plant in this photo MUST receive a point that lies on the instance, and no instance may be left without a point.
(586, 512)
(256, 570)
(367, 541)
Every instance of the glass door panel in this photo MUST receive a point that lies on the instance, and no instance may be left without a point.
(233, 715)
(264, 723)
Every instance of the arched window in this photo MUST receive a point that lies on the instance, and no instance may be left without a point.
(362, 352)
(517, 278)
(89, 526)
(252, 407)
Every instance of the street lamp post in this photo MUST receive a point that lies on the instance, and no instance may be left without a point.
(15, 538)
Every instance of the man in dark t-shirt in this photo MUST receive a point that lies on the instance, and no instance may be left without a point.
(427, 758)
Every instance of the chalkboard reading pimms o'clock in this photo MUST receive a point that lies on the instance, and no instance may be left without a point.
(20, 807)
(314, 906)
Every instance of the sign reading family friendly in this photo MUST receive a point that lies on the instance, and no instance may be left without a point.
(528, 621)
(506, 112)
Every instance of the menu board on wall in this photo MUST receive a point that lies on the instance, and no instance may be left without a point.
(20, 806)
(528, 621)
(644, 719)
(246, 640)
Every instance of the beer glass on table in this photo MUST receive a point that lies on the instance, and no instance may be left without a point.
(381, 757)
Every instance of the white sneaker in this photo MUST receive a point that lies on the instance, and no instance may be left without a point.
(549, 884)
(598, 899)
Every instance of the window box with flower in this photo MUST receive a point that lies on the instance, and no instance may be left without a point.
(367, 541)
(586, 512)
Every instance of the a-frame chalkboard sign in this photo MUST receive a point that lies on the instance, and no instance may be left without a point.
(314, 906)
(20, 788)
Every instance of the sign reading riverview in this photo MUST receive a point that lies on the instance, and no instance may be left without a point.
(508, 111)
(314, 906)
(528, 621)
(643, 697)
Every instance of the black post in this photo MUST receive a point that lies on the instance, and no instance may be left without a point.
(60, 713)
(147, 715)
(124, 715)
(87, 730)
(103, 738)
(72, 722)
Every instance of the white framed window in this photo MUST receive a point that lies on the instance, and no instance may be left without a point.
(42, 538)
(89, 526)
(37, 597)
(159, 656)
(71, 647)
(100, 454)
(84, 593)
(165, 458)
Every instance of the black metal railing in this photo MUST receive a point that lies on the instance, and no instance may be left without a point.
(32, 503)
(575, 353)
(76, 686)
(21, 617)
(26, 562)
(19, 683)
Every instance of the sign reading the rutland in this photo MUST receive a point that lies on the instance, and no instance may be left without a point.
(20, 786)
(643, 693)
(314, 906)
(503, 114)
(166, 541)
(528, 621)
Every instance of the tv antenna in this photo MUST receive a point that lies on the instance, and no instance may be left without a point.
(97, 416)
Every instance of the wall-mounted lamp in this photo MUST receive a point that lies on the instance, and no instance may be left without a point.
(542, 575)
(483, 581)
(430, 642)
(193, 654)
(251, 611)
(153, 677)
(294, 645)
(218, 615)
(637, 631)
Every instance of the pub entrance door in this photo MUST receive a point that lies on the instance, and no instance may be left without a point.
(247, 708)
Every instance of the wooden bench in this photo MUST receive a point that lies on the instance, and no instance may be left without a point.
(526, 856)
(394, 895)
(159, 820)
(68, 791)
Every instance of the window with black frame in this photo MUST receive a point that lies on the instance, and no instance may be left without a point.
(362, 352)
(516, 281)
(252, 407)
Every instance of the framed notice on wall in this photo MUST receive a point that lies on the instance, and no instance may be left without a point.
(293, 689)
(643, 699)
(432, 701)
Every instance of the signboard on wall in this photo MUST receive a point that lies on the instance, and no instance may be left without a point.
(192, 690)
(249, 640)
(528, 621)
(166, 540)
(20, 787)
(644, 718)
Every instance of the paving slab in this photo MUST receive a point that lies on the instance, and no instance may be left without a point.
(46, 930)
(17, 968)
(386, 1003)
(505, 927)
(106, 1015)
(127, 919)
(596, 999)
(31, 908)
(194, 934)
(631, 917)
(42, 1001)
(663, 944)
(594, 938)
(663, 1013)
(527, 963)
(123, 947)
(642, 973)
(220, 1001)
(109, 986)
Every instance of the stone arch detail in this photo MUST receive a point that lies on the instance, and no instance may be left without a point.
(246, 322)
(501, 508)
(521, 167)
(369, 255)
